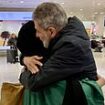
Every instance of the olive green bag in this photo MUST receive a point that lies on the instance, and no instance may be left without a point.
(93, 92)
(52, 95)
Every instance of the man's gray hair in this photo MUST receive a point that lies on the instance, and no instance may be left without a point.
(50, 14)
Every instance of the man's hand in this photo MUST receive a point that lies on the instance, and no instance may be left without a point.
(32, 63)
(101, 80)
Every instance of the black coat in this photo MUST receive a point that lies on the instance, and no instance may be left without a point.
(27, 42)
(70, 58)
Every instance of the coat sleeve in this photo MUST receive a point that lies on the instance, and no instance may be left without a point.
(63, 63)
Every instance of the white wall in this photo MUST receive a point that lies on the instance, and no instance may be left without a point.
(11, 26)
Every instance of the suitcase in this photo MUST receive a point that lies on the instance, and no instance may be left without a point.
(11, 55)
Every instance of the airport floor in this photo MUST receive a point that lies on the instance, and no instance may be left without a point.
(10, 72)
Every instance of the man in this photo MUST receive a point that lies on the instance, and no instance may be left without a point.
(70, 66)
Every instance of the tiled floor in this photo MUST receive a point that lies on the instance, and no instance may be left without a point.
(10, 72)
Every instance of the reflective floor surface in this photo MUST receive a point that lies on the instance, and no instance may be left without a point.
(10, 72)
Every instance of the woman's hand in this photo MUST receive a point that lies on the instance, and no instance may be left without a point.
(32, 63)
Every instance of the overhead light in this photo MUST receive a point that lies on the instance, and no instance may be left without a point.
(101, 13)
(98, 4)
(21, 1)
(95, 13)
(62, 3)
(81, 9)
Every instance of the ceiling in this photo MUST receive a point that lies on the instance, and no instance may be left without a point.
(85, 9)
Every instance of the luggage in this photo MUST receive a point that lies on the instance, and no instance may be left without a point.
(11, 94)
(12, 55)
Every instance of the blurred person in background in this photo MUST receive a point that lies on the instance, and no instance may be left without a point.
(12, 40)
(12, 54)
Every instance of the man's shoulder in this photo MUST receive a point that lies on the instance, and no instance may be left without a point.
(63, 41)
(68, 39)
(73, 41)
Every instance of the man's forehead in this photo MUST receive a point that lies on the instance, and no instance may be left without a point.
(37, 26)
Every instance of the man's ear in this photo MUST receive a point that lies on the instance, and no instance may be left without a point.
(53, 31)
